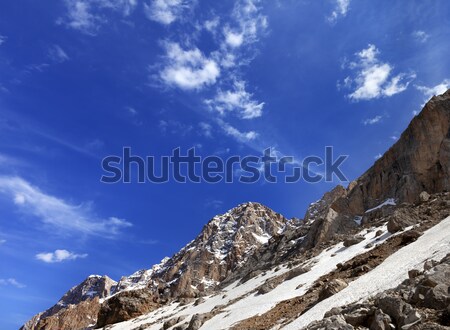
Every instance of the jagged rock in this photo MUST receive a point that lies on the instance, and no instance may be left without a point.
(357, 317)
(413, 273)
(331, 288)
(63, 315)
(394, 225)
(335, 322)
(437, 297)
(196, 321)
(402, 312)
(429, 264)
(353, 240)
(381, 321)
(125, 306)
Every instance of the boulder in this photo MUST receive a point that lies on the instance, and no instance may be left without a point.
(424, 197)
(353, 240)
(331, 288)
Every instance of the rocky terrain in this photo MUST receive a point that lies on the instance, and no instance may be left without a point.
(251, 268)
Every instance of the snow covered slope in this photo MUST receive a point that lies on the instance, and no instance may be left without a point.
(433, 244)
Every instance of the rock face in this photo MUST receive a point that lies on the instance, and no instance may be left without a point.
(78, 308)
(419, 162)
(126, 305)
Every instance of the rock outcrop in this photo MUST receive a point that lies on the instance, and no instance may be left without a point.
(421, 302)
(417, 165)
(77, 309)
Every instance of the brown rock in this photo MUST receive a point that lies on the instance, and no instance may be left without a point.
(331, 288)
(125, 306)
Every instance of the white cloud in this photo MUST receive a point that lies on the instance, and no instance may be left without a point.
(235, 133)
(188, 69)
(83, 15)
(372, 121)
(58, 256)
(79, 17)
(373, 77)
(57, 54)
(57, 213)
(378, 156)
(11, 281)
(2, 39)
(205, 129)
(340, 10)
(2, 241)
(439, 89)
(247, 24)
(420, 36)
(237, 100)
(123, 6)
(165, 11)
(233, 39)
(212, 24)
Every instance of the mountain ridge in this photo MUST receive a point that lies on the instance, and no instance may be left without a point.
(249, 239)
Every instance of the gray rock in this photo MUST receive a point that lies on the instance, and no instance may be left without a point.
(381, 321)
(353, 240)
(424, 196)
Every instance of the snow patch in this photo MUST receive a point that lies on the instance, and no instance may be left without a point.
(389, 201)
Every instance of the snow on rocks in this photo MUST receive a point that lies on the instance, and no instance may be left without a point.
(433, 244)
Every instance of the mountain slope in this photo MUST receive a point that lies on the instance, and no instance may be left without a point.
(252, 268)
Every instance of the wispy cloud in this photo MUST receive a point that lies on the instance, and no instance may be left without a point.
(84, 15)
(438, 89)
(214, 204)
(188, 69)
(2, 241)
(248, 23)
(59, 256)
(2, 39)
(341, 8)
(12, 282)
(165, 11)
(57, 54)
(205, 129)
(372, 121)
(60, 215)
(174, 127)
(373, 78)
(237, 100)
(236, 134)
(420, 36)
(79, 17)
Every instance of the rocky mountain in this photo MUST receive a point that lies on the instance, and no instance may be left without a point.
(251, 268)
(224, 245)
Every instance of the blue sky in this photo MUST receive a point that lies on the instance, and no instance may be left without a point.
(81, 79)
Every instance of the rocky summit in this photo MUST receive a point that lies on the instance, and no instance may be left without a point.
(373, 255)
